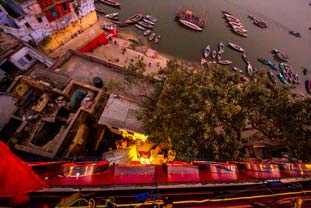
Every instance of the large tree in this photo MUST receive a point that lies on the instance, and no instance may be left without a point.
(201, 113)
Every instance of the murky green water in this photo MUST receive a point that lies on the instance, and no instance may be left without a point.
(280, 15)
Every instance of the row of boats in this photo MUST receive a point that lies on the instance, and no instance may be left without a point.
(235, 23)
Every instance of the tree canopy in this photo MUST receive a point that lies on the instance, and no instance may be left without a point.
(202, 112)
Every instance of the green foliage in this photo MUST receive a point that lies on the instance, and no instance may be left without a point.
(202, 112)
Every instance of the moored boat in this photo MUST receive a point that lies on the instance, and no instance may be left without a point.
(151, 37)
(282, 78)
(280, 55)
(260, 23)
(225, 62)
(240, 32)
(151, 18)
(140, 27)
(272, 77)
(226, 12)
(120, 24)
(207, 51)
(221, 47)
(262, 60)
(134, 18)
(214, 54)
(145, 25)
(282, 65)
(294, 33)
(245, 58)
(249, 69)
(148, 21)
(147, 32)
(219, 55)
(236, 47)
(272, 65)
(157, 39)
(190, 20)
(111, 3)
(237, 69)
(112, 15)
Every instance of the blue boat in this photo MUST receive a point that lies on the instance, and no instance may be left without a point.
(272, 65)
(282, 78)
(282, 65)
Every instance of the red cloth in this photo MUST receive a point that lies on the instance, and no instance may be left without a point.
(16, 177)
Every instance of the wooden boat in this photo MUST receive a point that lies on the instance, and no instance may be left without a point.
(226, 12)
(262, 60)
(111, 3)
(225, 62)
(191, 25)
(260, 23)
(99, 10)
(214, 54)
(280, 55)
(151, 37)
(190, 20)
(219, 55)
(221, 47)
(239, 28)
(151, 18)
(240, 32)
(145, 25)
(235, 24)
(147, 32)
(272, 77)
(148, 21)
(249, 69)
(140, 27)
(112, 15)
(252, 17)
(236, 47)
(157, 39)
(237, 69)
(203, 61)
(207, 51)
(245, 58)
(134, 18)
(282, 78)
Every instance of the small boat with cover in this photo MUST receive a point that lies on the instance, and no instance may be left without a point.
(207, 51)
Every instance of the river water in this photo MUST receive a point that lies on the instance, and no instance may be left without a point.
(280, 15)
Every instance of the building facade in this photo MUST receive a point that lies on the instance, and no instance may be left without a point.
(46, 21)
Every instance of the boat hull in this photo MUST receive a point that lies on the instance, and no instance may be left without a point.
(190, 25)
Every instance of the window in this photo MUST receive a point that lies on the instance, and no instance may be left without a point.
(39, 19)
(22, 62)
(64, 6)
(54, 14)
(28, 57)
(27, 25)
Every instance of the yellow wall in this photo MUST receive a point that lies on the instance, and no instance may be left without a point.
(73, 29)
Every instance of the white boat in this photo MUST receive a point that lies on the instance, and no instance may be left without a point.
(221, 47)
(151, 37)
(151, 18)
(140, 27)
(147, 32)
(242, 29)
(112, 15)
(148, 21)
(236, 47)
(225, 62)
(219, 55)
(190, 25)
(249, 69)
(245, 58)
(214, 54)
(207, 51)
(237, 69)
(157, 39)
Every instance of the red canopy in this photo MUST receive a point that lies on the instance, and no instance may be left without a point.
(16, 177)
